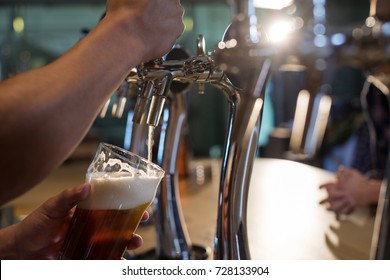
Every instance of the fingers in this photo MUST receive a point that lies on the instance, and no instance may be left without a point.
(341, 207)
(61, 204)
(345, 173)
(336, 194)
(145, 216)
(339, 201)
(342, 195)
(135, 242)
(333, 190)
(327, 185)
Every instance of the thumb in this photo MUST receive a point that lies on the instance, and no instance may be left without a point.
(60, 205)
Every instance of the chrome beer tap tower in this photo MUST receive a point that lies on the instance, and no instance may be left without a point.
(176, 72)
(239, 67)
(245, 57)
(162, 101)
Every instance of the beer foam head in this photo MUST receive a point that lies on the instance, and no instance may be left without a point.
(109, 159)
(120, 190)
(120, 179)
(102, 164)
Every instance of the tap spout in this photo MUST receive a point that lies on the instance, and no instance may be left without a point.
(172, 238)
(150, 102)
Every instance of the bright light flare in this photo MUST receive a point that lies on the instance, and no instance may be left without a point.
(272, 4)
(280, 31)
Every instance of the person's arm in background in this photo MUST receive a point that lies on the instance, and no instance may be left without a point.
(351, 190)
(45, 113)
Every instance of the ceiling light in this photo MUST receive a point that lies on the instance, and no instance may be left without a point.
(272, 4)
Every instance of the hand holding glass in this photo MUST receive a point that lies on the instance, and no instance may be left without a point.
(123, 185)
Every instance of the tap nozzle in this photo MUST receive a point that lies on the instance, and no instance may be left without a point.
(150, 102)
(155, 109)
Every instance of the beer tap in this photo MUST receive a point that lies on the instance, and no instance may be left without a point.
(245, 57)
(239, 67)
(157, 98)
(173, 240)
(150, 102)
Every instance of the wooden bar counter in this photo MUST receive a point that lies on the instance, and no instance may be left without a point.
(285, 220)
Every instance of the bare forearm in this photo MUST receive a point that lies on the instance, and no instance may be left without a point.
(366, 191)
(45, 113)
(7, 243)
(48, 111)
(373, 190)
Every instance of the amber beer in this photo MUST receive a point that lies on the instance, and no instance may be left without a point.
(103, 224)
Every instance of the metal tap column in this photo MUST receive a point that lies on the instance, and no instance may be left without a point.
(173, 241)
(247, 64)
(172, 238)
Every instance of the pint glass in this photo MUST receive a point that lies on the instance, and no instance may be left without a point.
(123, 185)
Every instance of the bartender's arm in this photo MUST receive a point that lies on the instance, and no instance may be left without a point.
(46, 112)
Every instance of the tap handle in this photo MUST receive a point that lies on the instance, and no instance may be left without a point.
(151, 100)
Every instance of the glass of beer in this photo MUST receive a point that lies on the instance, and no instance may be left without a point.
(123, 185)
